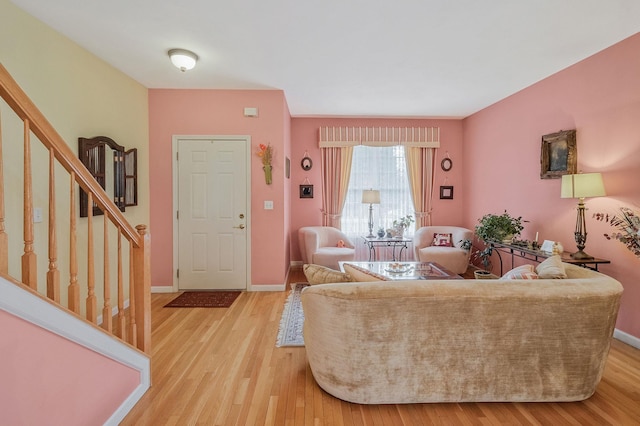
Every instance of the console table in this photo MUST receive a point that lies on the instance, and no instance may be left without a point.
(539, 256)
(401, 243)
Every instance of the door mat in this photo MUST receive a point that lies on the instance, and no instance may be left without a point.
(290, 333)
(204, 299)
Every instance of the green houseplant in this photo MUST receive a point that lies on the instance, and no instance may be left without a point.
(493, 227)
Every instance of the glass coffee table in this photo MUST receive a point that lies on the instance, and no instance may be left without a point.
(407, 270)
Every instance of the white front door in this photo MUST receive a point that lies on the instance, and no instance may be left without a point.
(212, 213)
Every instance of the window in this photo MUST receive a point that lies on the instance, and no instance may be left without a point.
(384, 169)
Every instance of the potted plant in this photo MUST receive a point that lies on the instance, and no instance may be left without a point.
(503, 227)
(399, 225)
(492, 227)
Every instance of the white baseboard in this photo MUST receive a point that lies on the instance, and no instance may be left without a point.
(627, 338)
(296, 264)
(268, 287)
(162, 289)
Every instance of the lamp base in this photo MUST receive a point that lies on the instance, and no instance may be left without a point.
(581, 255)
(370, 236)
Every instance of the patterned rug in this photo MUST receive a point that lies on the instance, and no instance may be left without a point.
(290, 333)
(204, 299)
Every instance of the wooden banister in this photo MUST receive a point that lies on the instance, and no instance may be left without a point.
(40, 126)
(138, 332)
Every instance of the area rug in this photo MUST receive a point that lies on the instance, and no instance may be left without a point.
(290, 333)
(204, 299)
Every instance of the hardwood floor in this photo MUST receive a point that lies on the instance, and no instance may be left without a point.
(221, 367)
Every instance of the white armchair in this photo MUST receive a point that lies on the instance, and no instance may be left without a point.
(319, 245)
(454, 258)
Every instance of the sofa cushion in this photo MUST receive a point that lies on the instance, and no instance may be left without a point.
(551, 268)
(442, 240)
(318, 274)
(524, 272)
(362, 275)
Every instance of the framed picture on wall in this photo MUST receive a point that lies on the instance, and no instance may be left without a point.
(306, 191)
(558, 155)
(446, 192)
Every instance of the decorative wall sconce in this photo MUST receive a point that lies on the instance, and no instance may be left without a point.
(183, 59)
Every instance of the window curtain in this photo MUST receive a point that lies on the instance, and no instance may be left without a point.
(336, 171)
(421, 171)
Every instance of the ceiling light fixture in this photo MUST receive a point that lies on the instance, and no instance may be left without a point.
(183, 59)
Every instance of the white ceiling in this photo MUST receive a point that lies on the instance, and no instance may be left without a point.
(407, 58)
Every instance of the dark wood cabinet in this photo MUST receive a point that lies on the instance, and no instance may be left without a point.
(94, 155)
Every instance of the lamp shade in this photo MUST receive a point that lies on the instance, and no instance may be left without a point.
(582, 186)
(371, 196)
(183, 59)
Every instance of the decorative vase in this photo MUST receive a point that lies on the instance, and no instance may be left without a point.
(267, 173)
(381, 233)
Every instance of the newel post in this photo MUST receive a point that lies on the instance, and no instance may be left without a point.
(142, 289)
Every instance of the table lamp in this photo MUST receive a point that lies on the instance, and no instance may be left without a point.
(581, 186)
(371, 197)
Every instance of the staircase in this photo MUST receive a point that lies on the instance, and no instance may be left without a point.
(116, 305)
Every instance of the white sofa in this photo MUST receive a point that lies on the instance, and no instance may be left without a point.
(455, 259)
(391, 342)
(319, 245)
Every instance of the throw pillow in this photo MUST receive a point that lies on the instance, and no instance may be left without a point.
(524, 272)
(442, 240)
(362, 275)
(318, 274)
(551, 268)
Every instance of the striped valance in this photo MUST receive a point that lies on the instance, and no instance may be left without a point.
(426, 137)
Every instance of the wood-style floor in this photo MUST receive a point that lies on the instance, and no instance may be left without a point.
(213, 366)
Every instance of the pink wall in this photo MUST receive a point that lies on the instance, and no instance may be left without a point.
(304, 137)
(47, 379)
(600, 98)
(220, 112)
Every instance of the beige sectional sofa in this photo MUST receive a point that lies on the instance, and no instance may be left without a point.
(461, 340)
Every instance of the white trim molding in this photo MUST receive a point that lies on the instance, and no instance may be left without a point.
(36, 310)
(627, 338)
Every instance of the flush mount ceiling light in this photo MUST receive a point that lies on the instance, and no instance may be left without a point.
(183, 59)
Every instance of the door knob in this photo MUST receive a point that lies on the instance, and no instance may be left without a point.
(239, 227)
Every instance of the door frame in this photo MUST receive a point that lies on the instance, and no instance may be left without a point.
(246, 139)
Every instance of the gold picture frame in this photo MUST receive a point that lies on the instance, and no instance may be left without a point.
(558, 154)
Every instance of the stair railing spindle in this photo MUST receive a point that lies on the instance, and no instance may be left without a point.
(4, 238)
(29, 266)
(91, 278)
(73, 289)
(106, 310)
(53, 274)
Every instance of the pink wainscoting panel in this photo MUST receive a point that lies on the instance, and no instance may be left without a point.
(220, 112)
(600, 98)
(304, 137)
(46, 379)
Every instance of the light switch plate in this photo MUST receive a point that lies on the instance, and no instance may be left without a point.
(268, 205)
(37, 214)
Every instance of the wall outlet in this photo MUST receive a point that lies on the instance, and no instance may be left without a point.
(268, 205)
